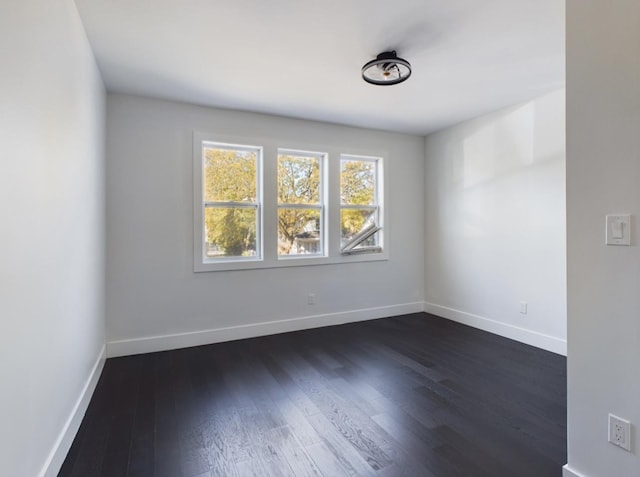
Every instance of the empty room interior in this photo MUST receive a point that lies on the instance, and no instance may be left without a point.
(335, 238)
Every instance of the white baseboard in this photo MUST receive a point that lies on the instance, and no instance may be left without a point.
(65, 438)
(568, 472)
(184, 340)
(533, 338)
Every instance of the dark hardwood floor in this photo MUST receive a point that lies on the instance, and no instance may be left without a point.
(414, 395)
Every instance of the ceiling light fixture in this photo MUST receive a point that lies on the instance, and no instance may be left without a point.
(386, 69)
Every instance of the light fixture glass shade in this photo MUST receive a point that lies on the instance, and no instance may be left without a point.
(386, 69)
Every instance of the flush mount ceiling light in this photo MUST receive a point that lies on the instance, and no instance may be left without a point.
(386, 69)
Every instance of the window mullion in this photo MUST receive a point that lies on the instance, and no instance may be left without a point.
(300, 206)
(270, 201)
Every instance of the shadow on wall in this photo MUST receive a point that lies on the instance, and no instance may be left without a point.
(496, 209)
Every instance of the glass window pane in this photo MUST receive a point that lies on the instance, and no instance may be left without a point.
(298, 179)
(230, 232)
(299, 232)
(230, 174)
(352, 221)
(357, 182)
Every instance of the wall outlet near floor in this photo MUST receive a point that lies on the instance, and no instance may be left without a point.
(523, 307)
(620, 432)
(311, 299)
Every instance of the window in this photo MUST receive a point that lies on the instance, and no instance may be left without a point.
(265, 205)
(231, 202)
(360, 217)
(300, 203)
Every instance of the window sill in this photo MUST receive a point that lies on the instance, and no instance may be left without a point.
(362, 250)
(221, 266)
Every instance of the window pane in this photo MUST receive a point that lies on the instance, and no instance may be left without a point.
(298, 179)
(230, 232)
(352, 221)
(357, 182)
(230, 174)
(299, 232)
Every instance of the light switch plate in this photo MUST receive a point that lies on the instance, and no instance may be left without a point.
(618, 230)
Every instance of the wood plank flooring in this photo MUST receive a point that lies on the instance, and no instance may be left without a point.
(414, 395)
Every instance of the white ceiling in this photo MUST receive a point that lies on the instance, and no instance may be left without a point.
(302, 58)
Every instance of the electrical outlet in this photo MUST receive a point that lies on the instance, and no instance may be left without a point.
(620, 432)
(523, 307)
(311, 299)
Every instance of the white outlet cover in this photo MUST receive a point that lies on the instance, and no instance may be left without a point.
(620, 432)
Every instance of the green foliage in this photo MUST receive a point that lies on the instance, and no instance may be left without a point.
(296, 223)
(230, 176)
(353, 221)
(298, 180)
(231, 231)
(298, 183)
(357, 182)
(357, 187)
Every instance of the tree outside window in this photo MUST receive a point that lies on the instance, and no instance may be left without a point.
(359, 205)
(303, 219)
(300, 203)
(231, 206)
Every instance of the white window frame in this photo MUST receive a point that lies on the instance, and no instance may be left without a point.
(321, 207)
(201, 261)
(350, 248)
(267, 226)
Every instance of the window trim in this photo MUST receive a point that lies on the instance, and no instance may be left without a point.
(201, 262)
(267, 196)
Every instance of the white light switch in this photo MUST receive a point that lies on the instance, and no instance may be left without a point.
(618, 230)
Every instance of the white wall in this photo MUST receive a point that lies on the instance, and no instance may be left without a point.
(603, 177)
(495, 231)
(52, 108)
(153, 293)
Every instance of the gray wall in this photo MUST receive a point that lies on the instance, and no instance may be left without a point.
(52, 108)
(603, 173)
(156, 301)
(495, 231)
